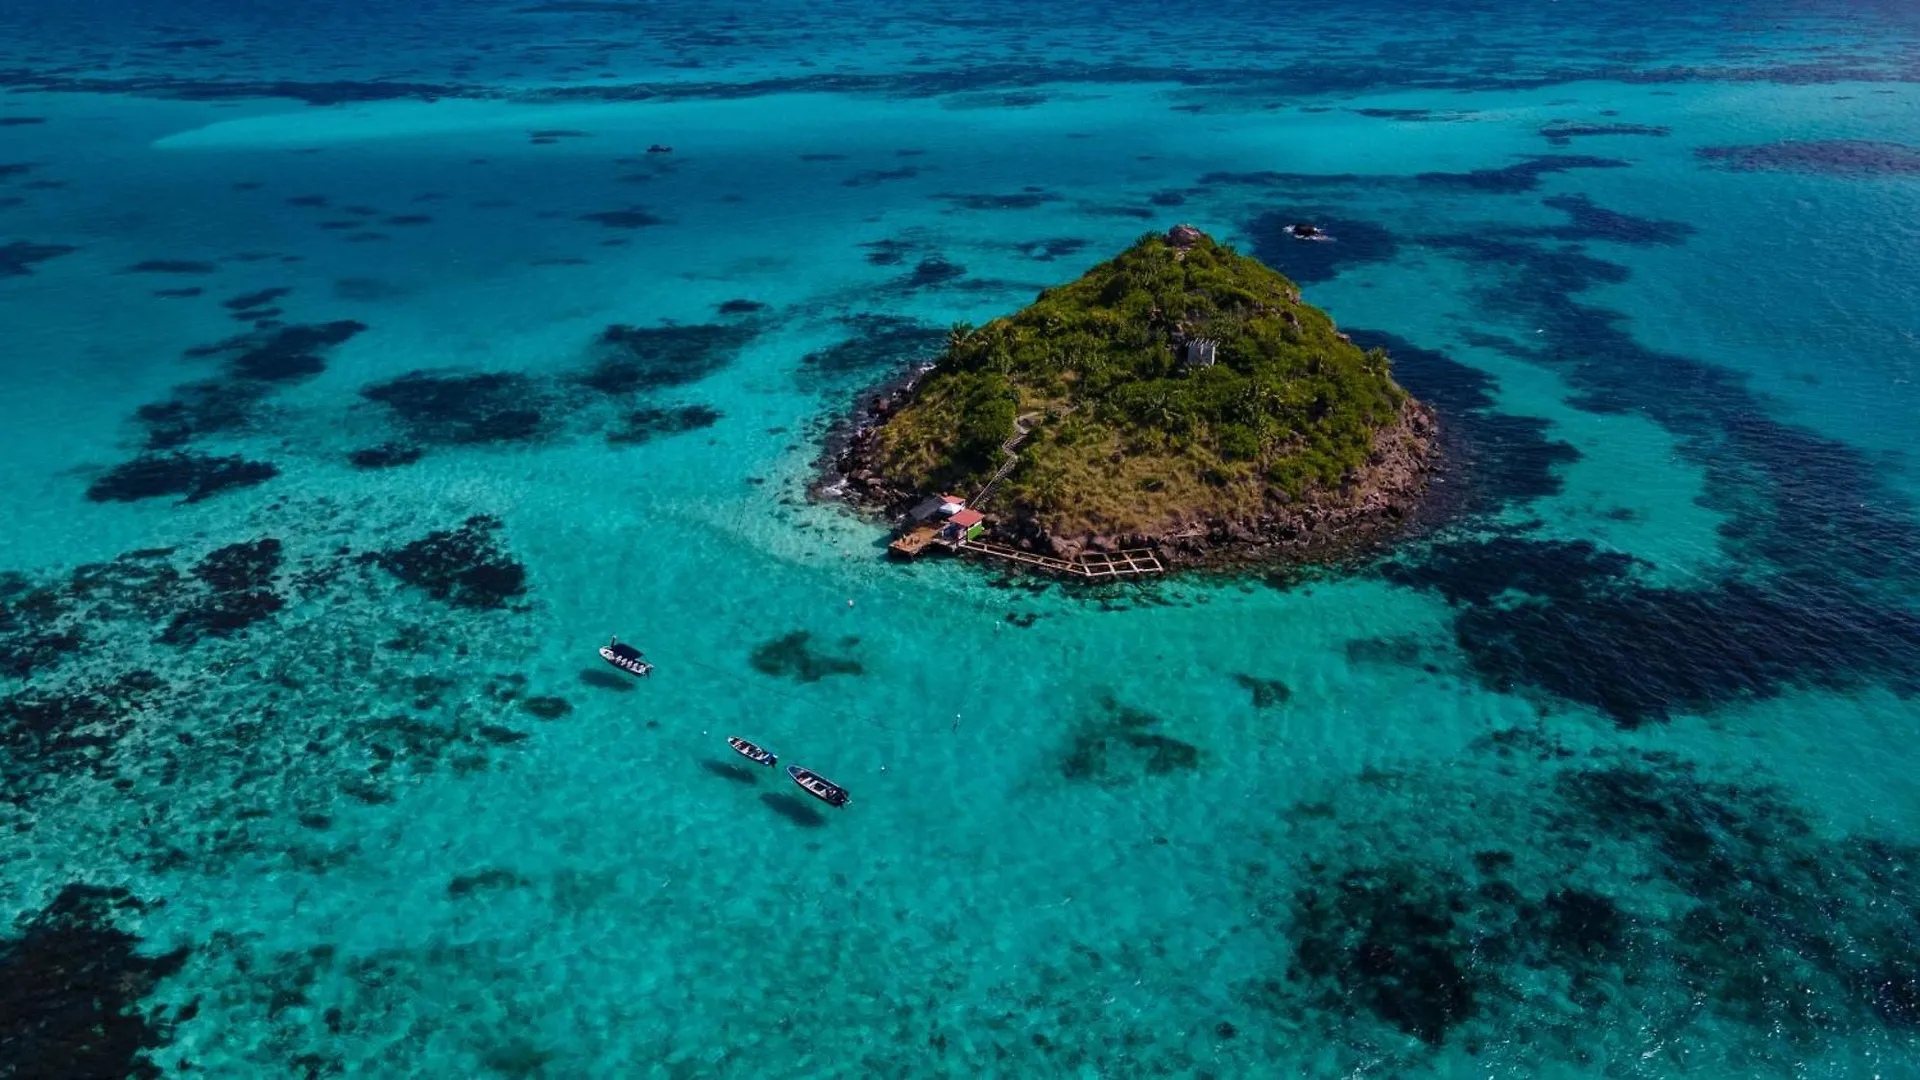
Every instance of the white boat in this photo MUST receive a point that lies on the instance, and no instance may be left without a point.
(626, 658)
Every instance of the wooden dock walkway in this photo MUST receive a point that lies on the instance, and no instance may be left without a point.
(1101, 564)
(1095, 566)
(913, 543)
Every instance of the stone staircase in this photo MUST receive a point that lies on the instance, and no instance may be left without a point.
(1022, 425)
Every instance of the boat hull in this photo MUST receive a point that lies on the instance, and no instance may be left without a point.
(759, 755)
(637, 668)
(819, 786)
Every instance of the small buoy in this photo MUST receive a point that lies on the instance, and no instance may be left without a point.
(849, 601)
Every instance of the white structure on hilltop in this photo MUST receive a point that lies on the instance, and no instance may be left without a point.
(1200, 352)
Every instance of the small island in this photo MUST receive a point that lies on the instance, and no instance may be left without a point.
(1179, 400)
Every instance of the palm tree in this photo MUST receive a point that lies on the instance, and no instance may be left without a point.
(958, 335)
(999, 339)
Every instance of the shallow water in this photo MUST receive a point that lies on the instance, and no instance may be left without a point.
(1608, 773)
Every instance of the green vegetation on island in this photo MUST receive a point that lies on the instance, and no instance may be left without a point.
(1179, 381)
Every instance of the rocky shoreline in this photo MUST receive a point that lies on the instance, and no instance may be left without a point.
(1378, 505)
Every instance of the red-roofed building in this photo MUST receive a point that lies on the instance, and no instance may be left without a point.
(964, 525)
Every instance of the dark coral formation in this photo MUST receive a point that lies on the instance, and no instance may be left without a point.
(1563, 132)
(71, 986)
(268, 366)
(171, 266)
(191, 476)
(204, 407)
(1267, 693)
(887, 252)
(273, 729)
(630, 218)
(870, 177)
(18, 257)
(931, 272)
(1811, 508)
(37, 627)
(1018, 200)
(795, 656)
(1059, 247)
(631, 359)
(70, 728)
(1590, 221)
(463, 566)
(405, 745)
(1790, 929)
(490, 879)
(1584, 629)
(239, 581)
(248, 301)
(255, 363)
(1835, 157)
(645, 425)
(1118, 745)
(1519, 177)
(875, 343)
(1479, 572)
(385, 456)
(1760, 920)
(456, 409)
(1386, 939)
(1494, 458)
(1354, 243)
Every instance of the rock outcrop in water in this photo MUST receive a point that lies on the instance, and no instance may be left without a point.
(1180, 396)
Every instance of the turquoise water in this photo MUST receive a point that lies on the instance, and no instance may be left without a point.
(310, 768)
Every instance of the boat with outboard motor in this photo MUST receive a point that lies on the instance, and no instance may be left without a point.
(819, 786)
(626, 658)
(756, 754)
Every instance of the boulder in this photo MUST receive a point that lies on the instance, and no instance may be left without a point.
(1184, 236)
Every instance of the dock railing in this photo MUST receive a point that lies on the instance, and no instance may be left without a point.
(1096, 566)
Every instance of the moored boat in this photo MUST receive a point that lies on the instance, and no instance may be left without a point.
(819, 786)
(756, 754)
(626, 658)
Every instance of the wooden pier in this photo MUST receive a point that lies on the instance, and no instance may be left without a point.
(1094, 566)
(1100, 564)
(909, 544)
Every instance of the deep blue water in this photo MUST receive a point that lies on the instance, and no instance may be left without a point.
(364, 371)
